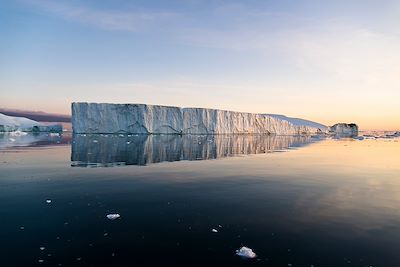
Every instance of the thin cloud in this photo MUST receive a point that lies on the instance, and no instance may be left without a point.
(126, 20)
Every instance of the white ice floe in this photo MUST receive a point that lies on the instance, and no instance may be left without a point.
(113, 216)
(214, 230)
(48, 201)
(246, 252)
(17, 133)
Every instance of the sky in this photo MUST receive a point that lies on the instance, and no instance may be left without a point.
(327, 61)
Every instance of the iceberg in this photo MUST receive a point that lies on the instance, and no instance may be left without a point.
(344, 129)
(153, 119)
(17, 125)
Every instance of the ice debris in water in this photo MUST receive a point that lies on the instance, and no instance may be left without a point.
(18, 133)
(246, 252)
(48, 201)
(113, 216)
(214, 230)
(42, 248)
(11, 139)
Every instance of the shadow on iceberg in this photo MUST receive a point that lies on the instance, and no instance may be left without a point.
(101, 150)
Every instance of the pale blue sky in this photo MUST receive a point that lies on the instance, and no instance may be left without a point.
(328, 61)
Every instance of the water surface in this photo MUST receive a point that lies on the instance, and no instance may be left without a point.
(296, 201)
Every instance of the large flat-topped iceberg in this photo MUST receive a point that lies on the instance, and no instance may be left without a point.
(153, 119)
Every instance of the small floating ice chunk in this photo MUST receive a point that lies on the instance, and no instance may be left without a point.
(11, 139)
(18, 133)
(113, 216)
(42, 248)
(246, 252)
(95, 141)
(48, 201)
(214, 230)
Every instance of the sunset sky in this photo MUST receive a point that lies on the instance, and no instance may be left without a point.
(328, 61)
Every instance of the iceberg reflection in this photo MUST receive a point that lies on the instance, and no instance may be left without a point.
(12, 140)
(113, 150)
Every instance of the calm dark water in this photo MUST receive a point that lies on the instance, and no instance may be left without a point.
(296, 201)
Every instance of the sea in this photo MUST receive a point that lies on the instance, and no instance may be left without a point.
(197, 200)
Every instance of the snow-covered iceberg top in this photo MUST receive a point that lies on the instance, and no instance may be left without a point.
(21, 124)
(153, 119)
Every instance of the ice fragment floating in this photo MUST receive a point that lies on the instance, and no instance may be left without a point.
(246, 252)
(113, 216)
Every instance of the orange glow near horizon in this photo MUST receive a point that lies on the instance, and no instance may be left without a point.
(377, 122)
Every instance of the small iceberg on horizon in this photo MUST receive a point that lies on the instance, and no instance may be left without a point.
(17, 126)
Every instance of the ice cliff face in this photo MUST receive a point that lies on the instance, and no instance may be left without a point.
(125, 118)
(151, 119)
(344, 129)
(12, 124)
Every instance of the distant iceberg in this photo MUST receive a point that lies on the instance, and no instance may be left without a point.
(17, 125)
(344, 129)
